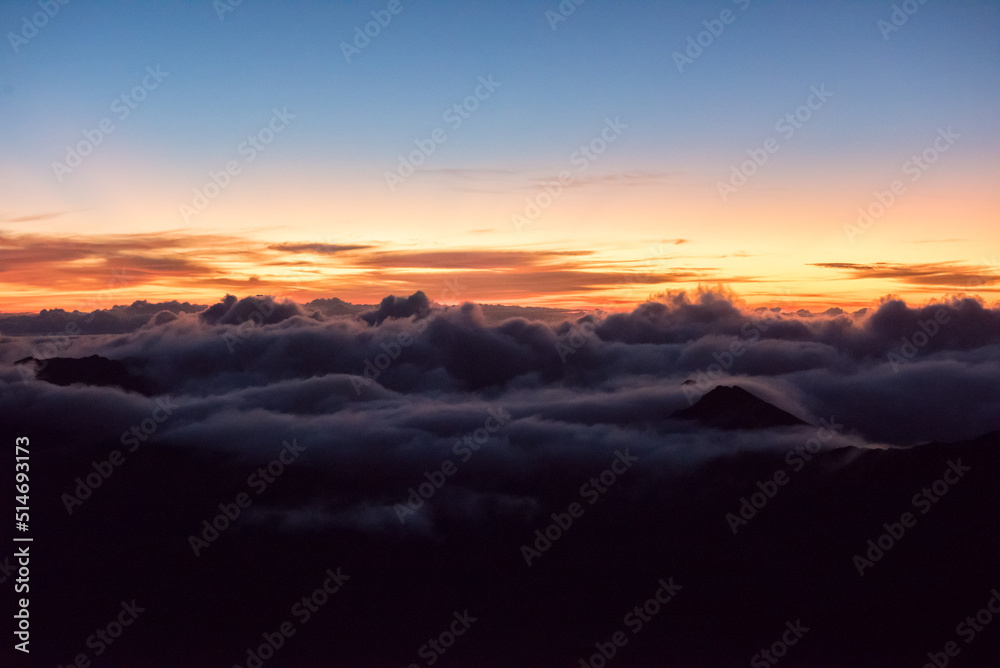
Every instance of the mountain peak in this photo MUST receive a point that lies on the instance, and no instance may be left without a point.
(732, 407)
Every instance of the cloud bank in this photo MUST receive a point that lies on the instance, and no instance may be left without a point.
(432, 442)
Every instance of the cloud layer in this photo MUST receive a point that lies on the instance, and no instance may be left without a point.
(895, 374)
(436, 440)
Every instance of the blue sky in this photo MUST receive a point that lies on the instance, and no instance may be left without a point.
(939, 68)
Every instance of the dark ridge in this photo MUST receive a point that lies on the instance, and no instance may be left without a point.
(735, 408)
(797, 552)
(93, 370)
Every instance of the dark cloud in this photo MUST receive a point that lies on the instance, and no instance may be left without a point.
(319, 249)
(528, 407)
(939, 274)
(478, 259)
(259, 310)
(408, 344)
(116, 320)
(336, 306)
(630, 178)
(399, 307)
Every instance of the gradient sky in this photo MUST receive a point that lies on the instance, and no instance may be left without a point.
(312, 214)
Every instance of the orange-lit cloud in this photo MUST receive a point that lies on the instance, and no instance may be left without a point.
(940, 274)
(99, 270)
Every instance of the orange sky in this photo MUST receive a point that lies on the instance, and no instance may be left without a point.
(606, 241)
(627, 242)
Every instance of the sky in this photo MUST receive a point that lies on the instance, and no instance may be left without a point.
(813, 155)
(561, 227)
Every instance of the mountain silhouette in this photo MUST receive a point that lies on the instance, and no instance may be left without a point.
(93, 370)
(733, 407)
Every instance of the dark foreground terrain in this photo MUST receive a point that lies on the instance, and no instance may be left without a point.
(802, 559)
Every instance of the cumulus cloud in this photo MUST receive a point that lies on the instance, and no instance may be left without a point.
(259, 310)
(115, 320)
(526, 407)
(412, 347)
(319, 249)
(399, 307)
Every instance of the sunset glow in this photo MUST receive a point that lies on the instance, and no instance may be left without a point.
(587, 181)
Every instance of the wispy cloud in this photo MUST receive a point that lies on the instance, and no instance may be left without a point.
(318, 249)
(940, 274)
(505, 180)
(32, 218)
(466, 259)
